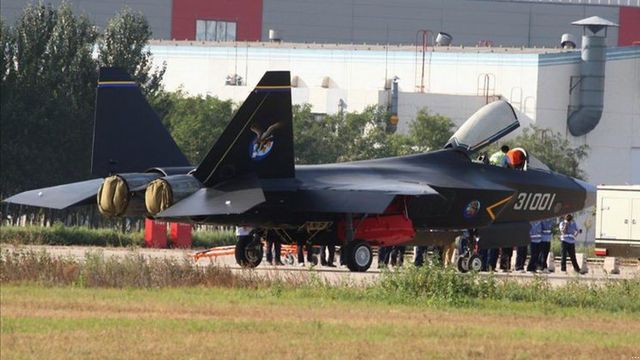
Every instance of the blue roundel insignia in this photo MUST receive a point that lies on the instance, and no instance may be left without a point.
(258, 150)
(472, 209)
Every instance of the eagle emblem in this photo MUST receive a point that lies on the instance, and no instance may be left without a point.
(263, 142)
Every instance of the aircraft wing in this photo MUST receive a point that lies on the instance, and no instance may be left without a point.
(229, 198)
(387, 186)
(372, 197)
(59, 197)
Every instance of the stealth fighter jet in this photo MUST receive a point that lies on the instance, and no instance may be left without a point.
(249, 178)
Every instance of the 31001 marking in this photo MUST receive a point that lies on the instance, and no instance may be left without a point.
(534, 201)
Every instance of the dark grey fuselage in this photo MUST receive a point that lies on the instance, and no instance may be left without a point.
(327, 192)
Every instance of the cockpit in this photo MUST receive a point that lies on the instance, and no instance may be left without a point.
(486, 126)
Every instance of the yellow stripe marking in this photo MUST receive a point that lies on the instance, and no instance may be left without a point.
(274, 87)
(490, 208)
(116, 82)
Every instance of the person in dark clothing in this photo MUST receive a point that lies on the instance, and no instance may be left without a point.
(300, 247)
(484, 258)
(545, 244)
(396, 257)
(383, 256)
(492, 262)
(419, 255)
(521, 257)
(273, 248)
(327, 255)
(505, 258)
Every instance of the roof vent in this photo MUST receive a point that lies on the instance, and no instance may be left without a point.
(444, 39)
(568, 41)
(274, 35)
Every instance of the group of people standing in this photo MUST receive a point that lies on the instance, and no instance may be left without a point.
(540, 234)
(274, 248)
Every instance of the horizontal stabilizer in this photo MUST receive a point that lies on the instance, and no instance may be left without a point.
(229, 198)
(504, 235)
(59, 197)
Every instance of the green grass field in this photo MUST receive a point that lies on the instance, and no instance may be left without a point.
(214, 323)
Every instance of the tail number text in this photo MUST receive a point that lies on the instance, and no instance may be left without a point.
(534, 201)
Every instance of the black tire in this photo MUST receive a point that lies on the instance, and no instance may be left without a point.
(358, 256)
(248, 252)
(462, 264)
(474, 263)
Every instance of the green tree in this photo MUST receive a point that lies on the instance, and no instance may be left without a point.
(196, 122)
(430, 131)
(314, 139)
(47, 94)
(363, 135)
(124, 44)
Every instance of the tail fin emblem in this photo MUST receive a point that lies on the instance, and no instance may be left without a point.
(262, 144)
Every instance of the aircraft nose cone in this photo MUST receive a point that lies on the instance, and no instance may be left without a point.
(590, 193)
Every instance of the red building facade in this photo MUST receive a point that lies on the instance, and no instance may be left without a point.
(247, 15)
(629, 32)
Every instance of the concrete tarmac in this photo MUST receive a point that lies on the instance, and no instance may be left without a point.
(337, 275)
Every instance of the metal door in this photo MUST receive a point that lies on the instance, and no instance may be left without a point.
(615, 219)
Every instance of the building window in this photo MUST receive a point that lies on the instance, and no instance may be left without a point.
(215, 30)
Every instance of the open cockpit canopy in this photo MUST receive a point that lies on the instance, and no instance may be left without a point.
(487, 125)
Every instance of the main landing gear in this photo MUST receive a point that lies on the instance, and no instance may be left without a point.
(357, 255)
(249, 251)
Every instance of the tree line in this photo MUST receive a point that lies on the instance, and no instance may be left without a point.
(49, 63)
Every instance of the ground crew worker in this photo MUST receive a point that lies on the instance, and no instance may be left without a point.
(383, 256)
(517, 158)
(499, 158)
(545, 243)
(448, 253)
(327, 254)
(300, 245)
(521, 257)
(396, 256)
(273, 248)
(568, 232)
(535, 233)
(505, 258)
(418, 257)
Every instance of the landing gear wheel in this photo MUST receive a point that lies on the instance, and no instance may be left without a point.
(358, 256)
(474, 263)
(463, 264)
(289, 259)
(248, 252)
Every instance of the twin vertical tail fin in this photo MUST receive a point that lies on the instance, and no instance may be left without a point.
(258, 140)
(128, 135)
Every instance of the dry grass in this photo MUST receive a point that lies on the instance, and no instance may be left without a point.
(197, 323)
